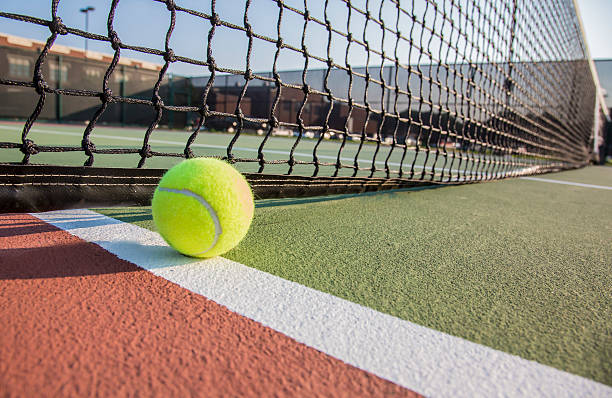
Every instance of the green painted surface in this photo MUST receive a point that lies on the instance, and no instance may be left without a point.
(215, 144)
(521, 266)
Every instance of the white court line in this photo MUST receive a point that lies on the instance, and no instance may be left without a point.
(421, 359)
(576, 184)
(276, 152)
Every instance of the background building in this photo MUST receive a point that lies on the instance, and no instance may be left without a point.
(74, 69)
(464, 108)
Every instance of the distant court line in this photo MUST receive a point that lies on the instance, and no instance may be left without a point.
(178, 143)
(270, 151)
(422, 359)
(576, 184)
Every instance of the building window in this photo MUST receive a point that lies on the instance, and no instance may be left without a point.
(93, 73)
(19, 67)
(121, 77)
(58, 74)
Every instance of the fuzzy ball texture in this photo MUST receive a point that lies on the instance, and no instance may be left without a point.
(203, 207)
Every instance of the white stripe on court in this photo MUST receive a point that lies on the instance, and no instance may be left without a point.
(421, 359)
(576, 184)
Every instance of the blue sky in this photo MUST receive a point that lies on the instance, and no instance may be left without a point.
(145, 23)
(597, 21)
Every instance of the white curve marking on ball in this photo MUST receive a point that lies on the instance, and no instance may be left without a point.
(211, 211)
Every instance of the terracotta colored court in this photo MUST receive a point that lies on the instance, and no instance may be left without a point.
(78, 321)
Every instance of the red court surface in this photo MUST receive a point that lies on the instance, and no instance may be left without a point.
(78, 321)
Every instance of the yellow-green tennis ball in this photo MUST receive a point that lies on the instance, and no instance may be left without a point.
(203, 207)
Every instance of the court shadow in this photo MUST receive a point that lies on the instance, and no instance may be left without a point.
(72, 259)
(314, 199)
(25, 228)
(76, 259)
(18, 225)
(150, 256)
(63, 255)
(130, 216)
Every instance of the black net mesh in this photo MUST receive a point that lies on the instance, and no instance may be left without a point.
(430, 90)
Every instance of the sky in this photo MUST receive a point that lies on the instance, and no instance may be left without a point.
(597, 22)
(145, 23)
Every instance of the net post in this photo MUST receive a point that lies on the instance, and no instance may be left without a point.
(600, 103)
(122, 94)
(170, 99)
(58, 97)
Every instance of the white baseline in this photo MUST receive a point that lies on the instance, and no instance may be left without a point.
(421, 359)
(576, 184)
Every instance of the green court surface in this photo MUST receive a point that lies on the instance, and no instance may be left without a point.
(245, 147)
(519, 265)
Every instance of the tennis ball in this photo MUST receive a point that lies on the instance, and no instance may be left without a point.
(203, 207)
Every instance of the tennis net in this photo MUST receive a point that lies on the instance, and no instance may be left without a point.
(334, 96)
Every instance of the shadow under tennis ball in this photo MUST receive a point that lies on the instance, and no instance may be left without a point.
(154, 256)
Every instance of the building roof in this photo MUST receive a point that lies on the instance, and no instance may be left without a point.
(7, 40)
